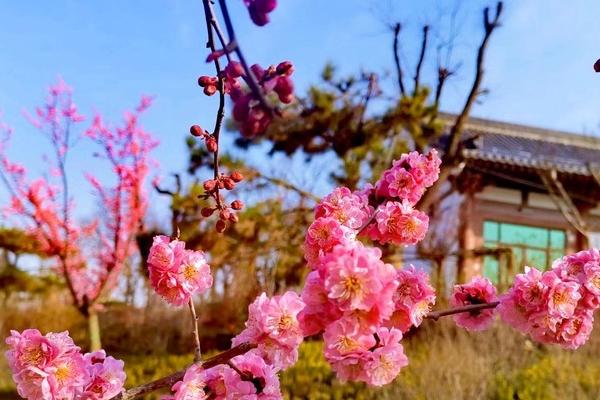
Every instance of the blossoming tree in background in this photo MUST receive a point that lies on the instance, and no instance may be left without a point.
(44, 205)
(359, 305)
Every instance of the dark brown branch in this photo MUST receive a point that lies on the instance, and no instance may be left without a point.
(397, 29)
(451, 158)
(435, 315)
(456, 130)
(168, 381)
(421, 58)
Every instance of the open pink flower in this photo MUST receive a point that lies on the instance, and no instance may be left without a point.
(192, 386)
(273, 325)
(106, 376)
(563, 296)
(322, 236)
(386, 359)
(357, 279)
(320, 310)
(399, 224)
(260, 381)
(409, 177)
(176, 273)
(478, 291)
(412, 300)
(349, 209)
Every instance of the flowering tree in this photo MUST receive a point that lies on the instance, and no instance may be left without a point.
(44, 205)
(360, 305)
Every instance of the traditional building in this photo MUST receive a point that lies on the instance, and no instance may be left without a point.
(529, 195)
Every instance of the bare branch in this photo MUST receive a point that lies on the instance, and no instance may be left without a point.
(435, 315)
(421, 58)
(397, 29)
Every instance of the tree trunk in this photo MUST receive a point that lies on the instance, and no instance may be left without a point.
(94, 330)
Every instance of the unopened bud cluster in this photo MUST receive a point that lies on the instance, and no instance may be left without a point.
(226, 213)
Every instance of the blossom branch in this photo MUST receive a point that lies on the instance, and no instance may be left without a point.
(170, 380)
(435, 315)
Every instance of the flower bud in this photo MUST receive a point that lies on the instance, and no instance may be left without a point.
(211, 144)
(220, 226)
(237, 204)
(209, 185)
(597, 66)
(195, 130)
(236, 176)
(233, 218)
(210, 90)
(228, 183)
(285, 90)
(285, 68)
(207, 211)
(224, 214)
(204, 81)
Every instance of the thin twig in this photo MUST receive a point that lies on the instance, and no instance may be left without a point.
(197, 348)
(435, 315)
(421, 58)
(397, 29)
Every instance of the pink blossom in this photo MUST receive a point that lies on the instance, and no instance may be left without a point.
(176, 273)
(260, 381)
(409, 176)
(386, 359)
(192, 386)
(413, 299)
(399, 224)
(273, 325)
(106, 376)
(349, 209)
(356, 279)
(563, 296)
(478, 291)
(322, 236)
(347, 349)
(259, 10)
(320, 310)
(52, 367)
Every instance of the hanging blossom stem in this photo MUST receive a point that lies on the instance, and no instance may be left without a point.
(197, 349)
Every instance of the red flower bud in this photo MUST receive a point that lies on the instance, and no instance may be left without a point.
(237, 205)
(597, 66)
(221, 226)
(224, 214)
(221, 185)
(211, 144)
(207, 211)
(236, 176)
(228, 183)
(284, 89)
(285, 68)
(195, 130)
(209, 185)
(210, 90)
(233, 218)
(204, 81)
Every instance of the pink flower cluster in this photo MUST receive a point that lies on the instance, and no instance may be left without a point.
(479, 291)
(361, 303)
(273, 326)
(556, 306)
(176, 273)
(409, 176)
(246, 377)
(52, 367)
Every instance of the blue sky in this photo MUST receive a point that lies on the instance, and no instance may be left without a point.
(538, 71)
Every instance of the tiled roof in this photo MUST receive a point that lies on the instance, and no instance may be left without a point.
(529, 147)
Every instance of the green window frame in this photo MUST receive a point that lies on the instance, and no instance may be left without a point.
(531, 246)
